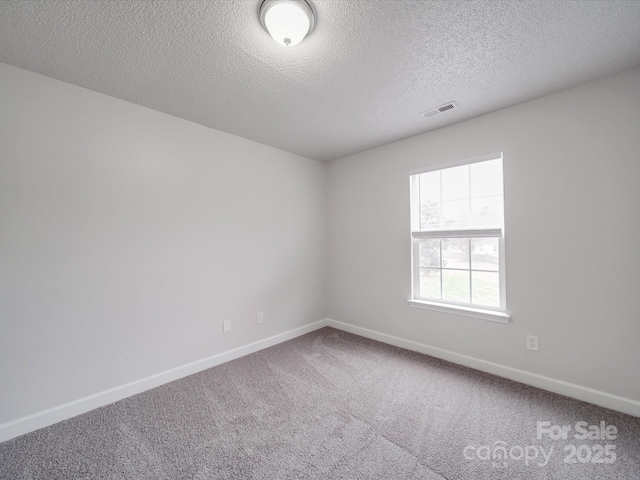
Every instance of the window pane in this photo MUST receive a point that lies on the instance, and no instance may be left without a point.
(486, 193)
(455, 183)
(430, 283)
(430, 215)
(429, 250)
(430, 201)
(455, 213)
(455, 286)
(484, 254)
(455, 252)
(455, 197)
(486, 288)
(430, 186)
(486, 211)
(486, 178)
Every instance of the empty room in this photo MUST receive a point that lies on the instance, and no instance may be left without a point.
(319, 239)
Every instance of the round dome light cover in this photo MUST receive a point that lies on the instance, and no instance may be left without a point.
(287, 21)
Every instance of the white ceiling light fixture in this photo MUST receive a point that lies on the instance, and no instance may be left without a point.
(287, 21)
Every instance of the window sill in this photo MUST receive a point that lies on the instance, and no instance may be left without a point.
(491, 315)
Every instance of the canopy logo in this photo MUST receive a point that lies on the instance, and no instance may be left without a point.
(500, 453)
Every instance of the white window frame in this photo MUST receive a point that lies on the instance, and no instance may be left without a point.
(496, 314)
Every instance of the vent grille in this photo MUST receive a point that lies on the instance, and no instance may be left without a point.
(442, 108)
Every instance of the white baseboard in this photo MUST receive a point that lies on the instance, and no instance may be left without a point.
(53, 415)
(607, 400)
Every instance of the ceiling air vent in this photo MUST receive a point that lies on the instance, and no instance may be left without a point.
(440, 109)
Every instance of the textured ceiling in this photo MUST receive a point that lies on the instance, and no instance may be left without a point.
(359, 80)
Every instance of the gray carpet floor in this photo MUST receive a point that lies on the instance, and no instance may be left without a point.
(330, 405)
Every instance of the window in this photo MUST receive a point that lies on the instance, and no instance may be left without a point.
(457, 217)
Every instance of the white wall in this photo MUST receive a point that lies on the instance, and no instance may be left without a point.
(127, 236)
(572, 193)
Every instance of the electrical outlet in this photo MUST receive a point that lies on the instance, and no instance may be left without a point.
(260, 318)
(226, 325)
(532, 342)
